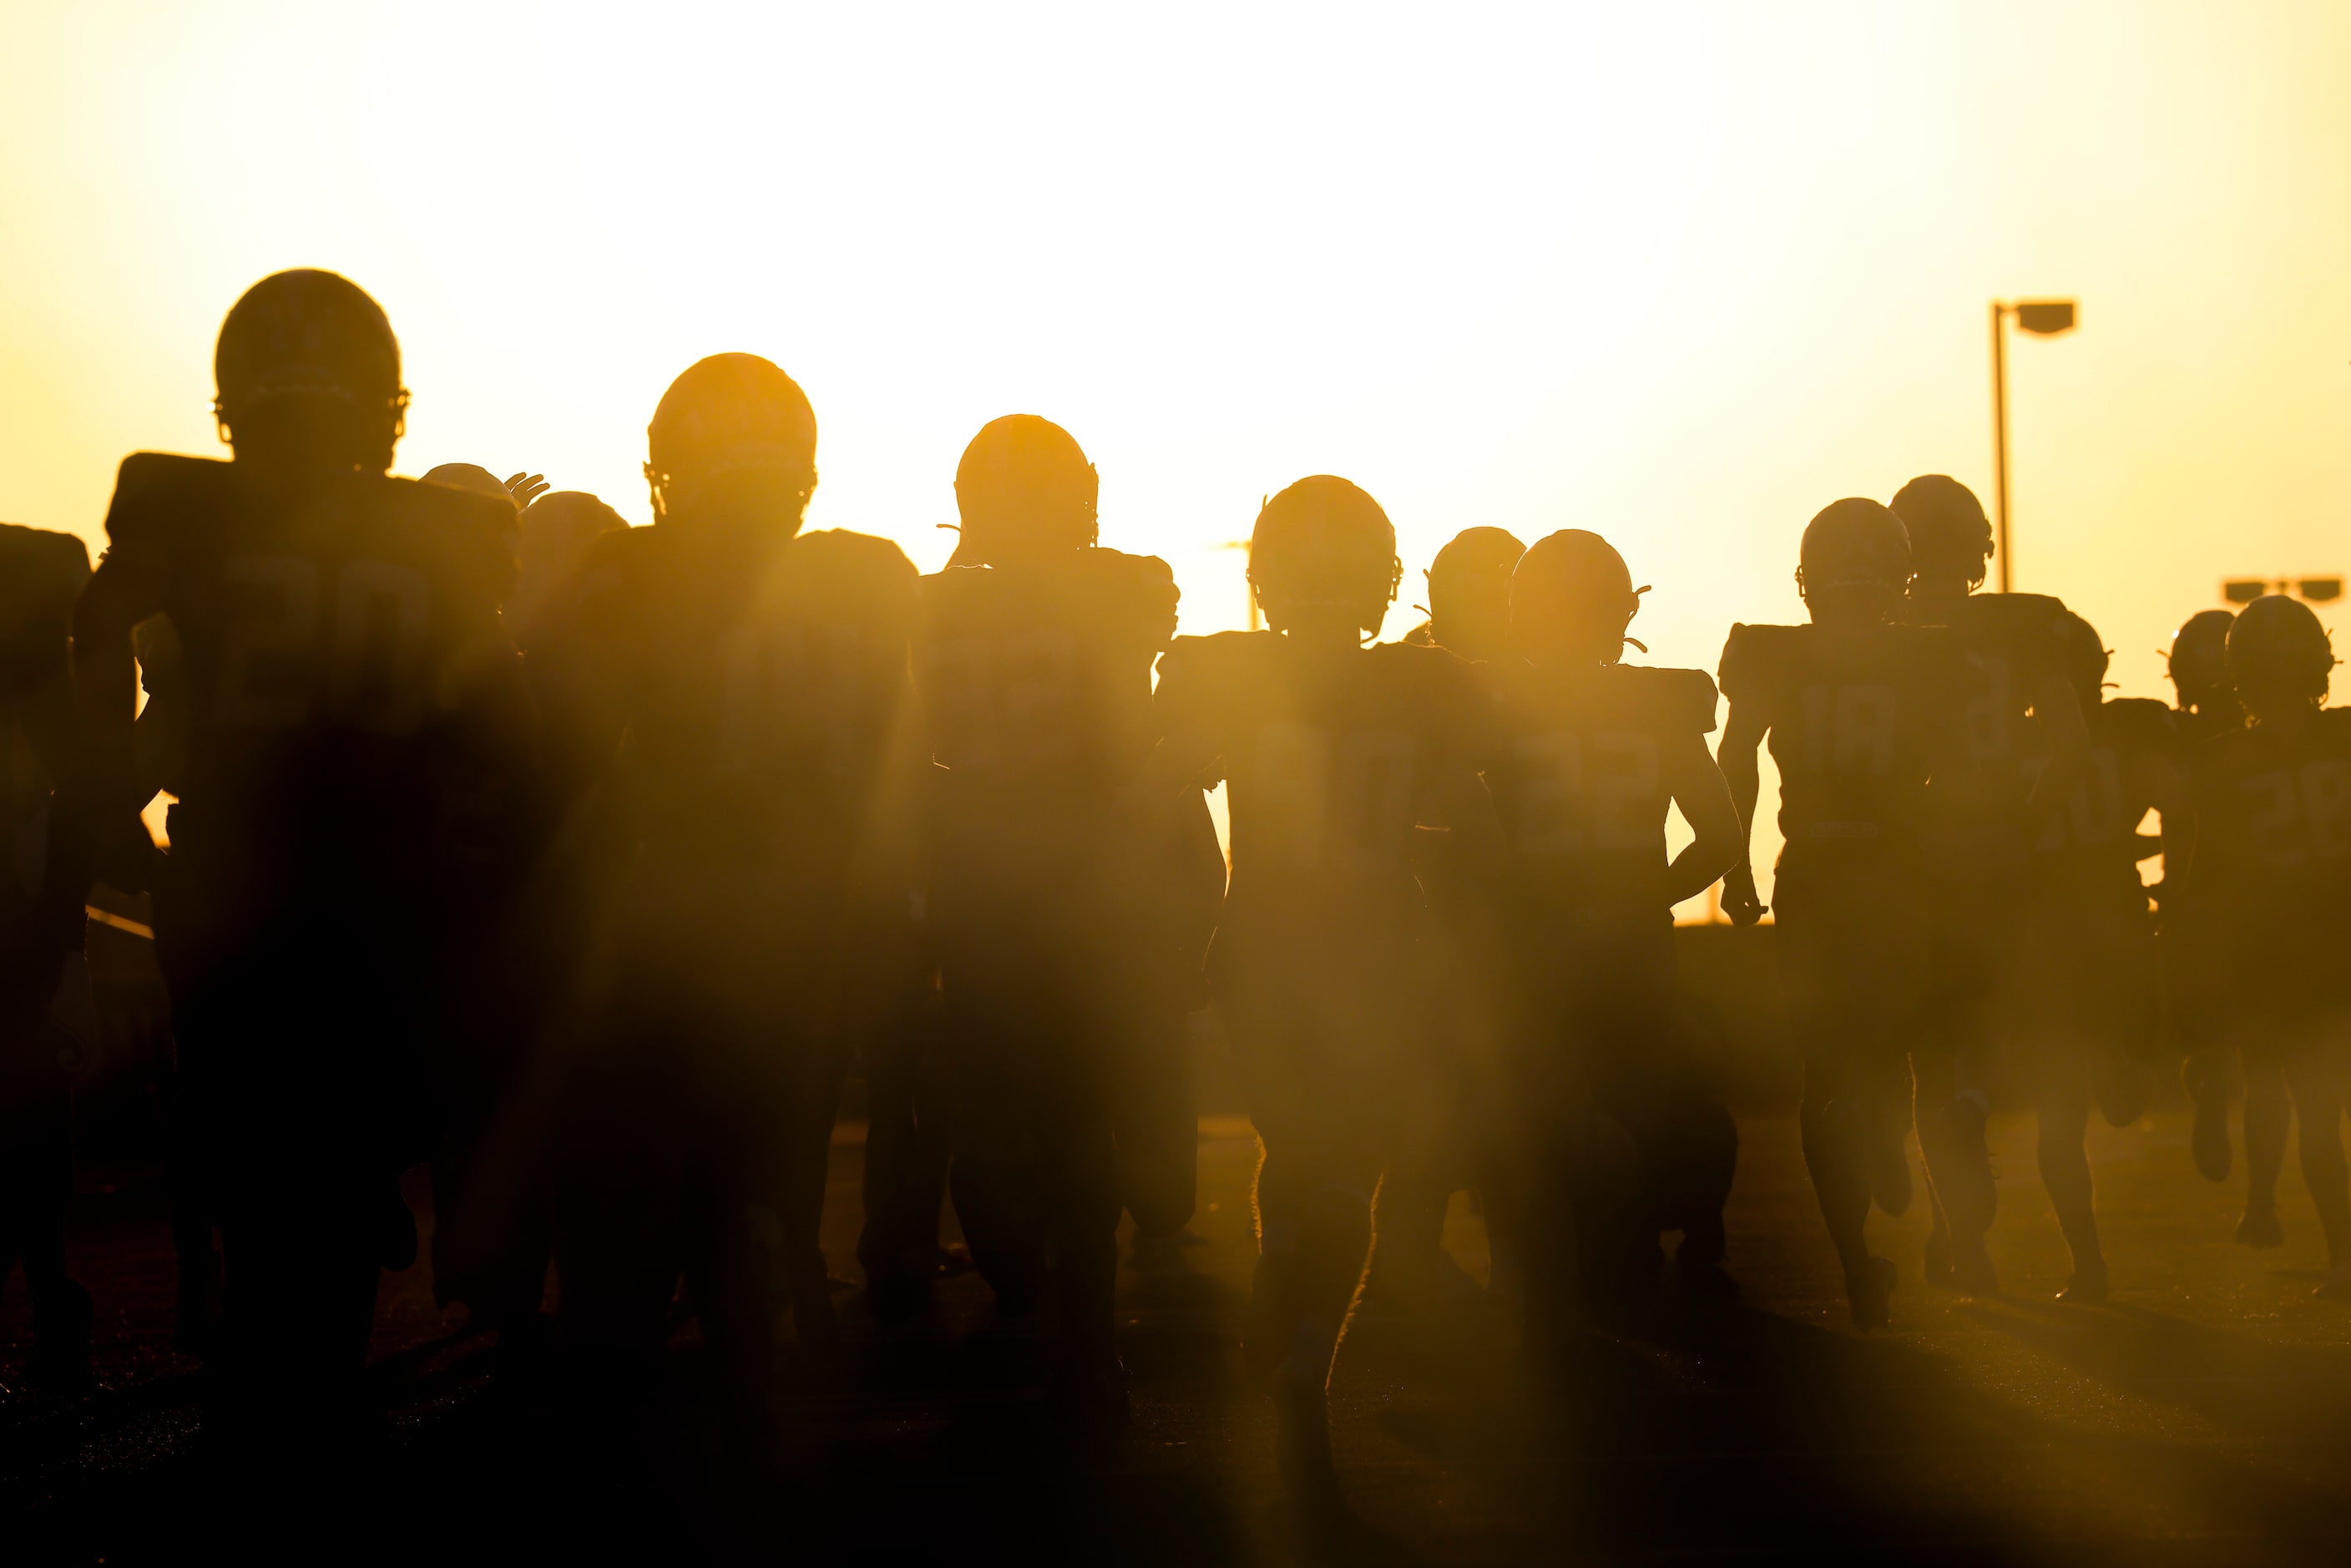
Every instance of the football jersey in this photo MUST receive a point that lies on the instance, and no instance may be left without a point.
(1329, 760)
(1036, 683)
(344, 675)
(40, 575)
(759, 685)
(1860, 720)
(2193, 729)
(2274, 840)
(2013, 645)
(1576, 769)
(2086, 854)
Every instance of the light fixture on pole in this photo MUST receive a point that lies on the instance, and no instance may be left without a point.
(2043, 318)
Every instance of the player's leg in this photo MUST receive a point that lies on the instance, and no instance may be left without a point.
(2062, 1107)
(1966, 964)
(619, 1178)
(1081, 1176)
(2316, 1070)
(2268, 1119)
(1836, 1034)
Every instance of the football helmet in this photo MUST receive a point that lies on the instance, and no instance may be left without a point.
(2197, 661)
(2277, 647)
(1469, 591)
(1572, 588)
(2083, 657)
(732, 440)
(1949, 535)
(1024, 484)
(1853, 543)
(1323, 544)
(307, 365)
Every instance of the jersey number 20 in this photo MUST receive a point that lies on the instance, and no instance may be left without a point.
(297, 645)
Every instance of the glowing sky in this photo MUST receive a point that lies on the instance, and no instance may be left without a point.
(1681, 275)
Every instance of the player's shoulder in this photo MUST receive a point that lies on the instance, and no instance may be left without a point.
(1664, 698)
(1423, 662)
(2141, 721)
(621, 560)
(1137, 593)
(2032, 612)
(1219, 657)
(465, 514)
(2335, 726)
(42, 559)
(851, 556)
(1145, 573)
(156, 492)
(1756, 656)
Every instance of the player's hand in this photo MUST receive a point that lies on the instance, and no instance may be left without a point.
(526, 489)
(1739, 899)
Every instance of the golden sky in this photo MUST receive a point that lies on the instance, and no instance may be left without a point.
(1679, 274)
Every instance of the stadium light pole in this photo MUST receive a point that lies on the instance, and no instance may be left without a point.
(2043, 318)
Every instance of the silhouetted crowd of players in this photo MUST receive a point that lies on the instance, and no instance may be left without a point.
(581, 861)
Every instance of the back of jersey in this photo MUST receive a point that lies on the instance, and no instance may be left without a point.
(2013, 645)
(1860, 720)
(1035, 686)
(760, 687)
(2085, 852)
(1578, 778)
(40, 574)
(346, 678)
(1330, 757)
(2273, 841)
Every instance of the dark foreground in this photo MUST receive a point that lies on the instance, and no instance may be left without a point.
(2205, 1416)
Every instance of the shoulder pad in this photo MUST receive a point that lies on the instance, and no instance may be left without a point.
(617, 558)
(1682, 699)
(864, 556)
(1138, 588)
(954, 584)
(57, 562)
(450, 507)
(1755, 656)
(2144, 720)
(2335, 723)
(151, 488)
(2031, 624)
(1197, 657)
(41, 574)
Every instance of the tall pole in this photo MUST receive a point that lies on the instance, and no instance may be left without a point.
(2000, 433)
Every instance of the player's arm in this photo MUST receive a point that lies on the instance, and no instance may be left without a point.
(2168, 792)
(1718, 841)
(126, 589)
(1189, 749)
(1742, 739)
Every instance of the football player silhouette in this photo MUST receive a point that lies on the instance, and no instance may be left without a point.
(353, 717)
(1591, 755)
(1331, 750)
(2273, 836)
(1469, 593)
(51, 839)
(2088, 989)
(2020, 718)
(1064, 999)
(1858, 710)
(517, 952)
(746, 689)
(2207, 706)
(1446, 1137)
